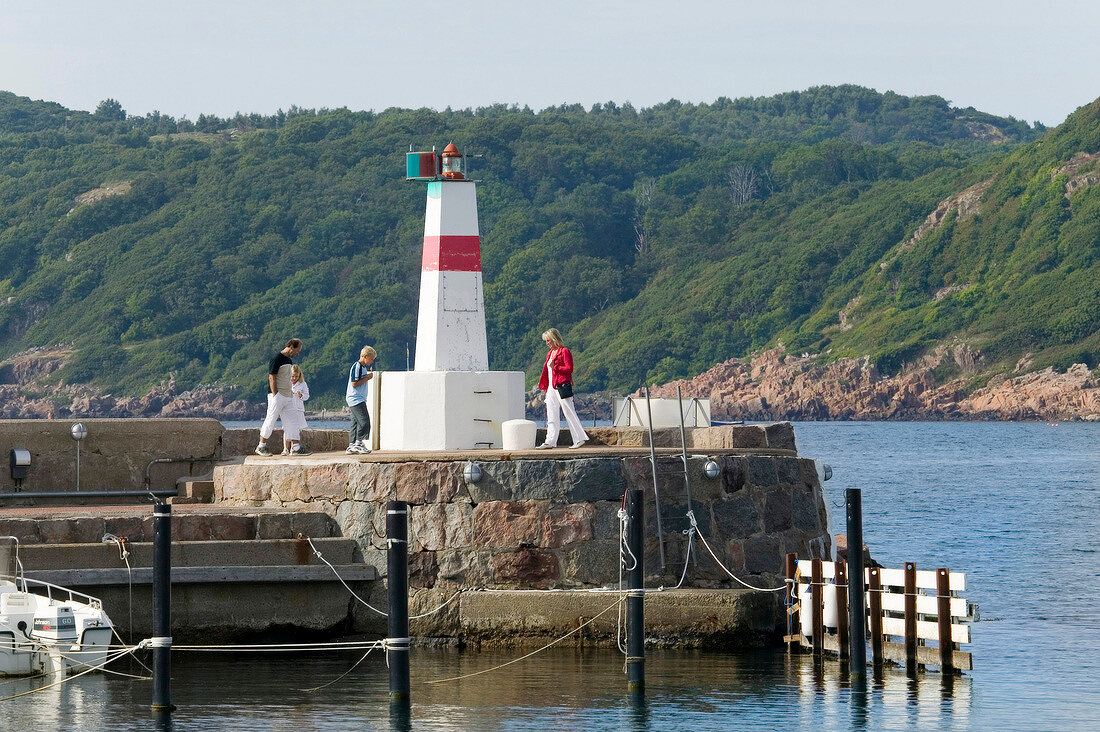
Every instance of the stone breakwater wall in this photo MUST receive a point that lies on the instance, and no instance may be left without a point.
(113, 456)
(116, 452)
(552, 522)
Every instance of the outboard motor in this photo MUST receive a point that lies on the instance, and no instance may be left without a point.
(56, 625)
(55, 628)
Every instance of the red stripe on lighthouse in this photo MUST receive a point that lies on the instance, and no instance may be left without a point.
(451, 253)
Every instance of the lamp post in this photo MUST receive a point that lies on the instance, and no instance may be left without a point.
(78, 432)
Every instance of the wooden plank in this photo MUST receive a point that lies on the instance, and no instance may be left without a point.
(929, 656)
(926, 578)
(794, 627)
(926, 604)
(910, 615)
(874, 602)
(943, 620)
(828, 569)
(203, 575)
(925, 630)
(842, 609)
(926, 655)
(818, 607)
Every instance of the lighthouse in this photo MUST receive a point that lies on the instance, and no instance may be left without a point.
(450, 325)
(450, 400)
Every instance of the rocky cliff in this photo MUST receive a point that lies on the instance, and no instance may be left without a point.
(776, 385)
(772, 386)
(31, 388)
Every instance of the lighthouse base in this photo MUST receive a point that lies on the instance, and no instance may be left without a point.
(446, 410)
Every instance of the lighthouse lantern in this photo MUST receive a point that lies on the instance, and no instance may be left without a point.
(452, 162)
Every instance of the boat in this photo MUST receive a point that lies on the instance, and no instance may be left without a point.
(45, 628)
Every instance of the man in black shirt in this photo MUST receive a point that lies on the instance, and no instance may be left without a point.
(279, 394)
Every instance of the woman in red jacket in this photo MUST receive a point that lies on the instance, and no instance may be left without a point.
(557, 380)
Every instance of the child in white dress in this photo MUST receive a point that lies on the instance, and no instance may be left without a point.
(294, 417)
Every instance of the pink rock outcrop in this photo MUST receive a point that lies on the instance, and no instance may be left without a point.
(776, 385)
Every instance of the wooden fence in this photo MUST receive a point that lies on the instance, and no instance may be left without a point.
(906, 608)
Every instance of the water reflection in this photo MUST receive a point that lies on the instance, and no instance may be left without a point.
(560, 689)
(639, 711)
(891, 698)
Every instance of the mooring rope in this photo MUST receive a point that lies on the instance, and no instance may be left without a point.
(66, 679)
(384, 614)
(695, 528)
(280, 647)
(623, 544)
(315, 689)
(54, 647)
(532, 653)
(124, 555)
(317, 553)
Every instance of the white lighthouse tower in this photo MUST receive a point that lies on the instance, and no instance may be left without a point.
(450, 400)
(450, 328)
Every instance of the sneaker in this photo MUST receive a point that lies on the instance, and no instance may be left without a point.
(301, 451)
(262, 451)
(575, 445)
(285, 452)
(351, 449)
(355, 449)
(544, 446)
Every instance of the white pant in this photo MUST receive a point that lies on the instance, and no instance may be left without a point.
(554, 405)
(276, 403)
(294, 420)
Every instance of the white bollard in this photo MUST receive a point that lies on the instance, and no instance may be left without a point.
(518, 434)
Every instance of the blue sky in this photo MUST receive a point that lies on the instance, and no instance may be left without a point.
(1034, 61)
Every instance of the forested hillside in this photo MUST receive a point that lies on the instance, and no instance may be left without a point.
(660, 241)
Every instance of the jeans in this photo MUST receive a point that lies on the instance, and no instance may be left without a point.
(360, 424)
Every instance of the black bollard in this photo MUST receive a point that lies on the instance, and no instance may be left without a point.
(635, 608)
(162, 608)
(857, 615)
(397, 644)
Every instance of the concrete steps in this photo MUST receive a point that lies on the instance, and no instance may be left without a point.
(260, 552)
(196, 562)
(211, 545)
(194, 489)
(190, 523)
(235, 571)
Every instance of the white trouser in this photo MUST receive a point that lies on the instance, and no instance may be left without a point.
(276, 403)
(554, 405)
(294, 421)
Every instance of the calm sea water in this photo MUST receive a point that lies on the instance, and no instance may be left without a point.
(1015, 506)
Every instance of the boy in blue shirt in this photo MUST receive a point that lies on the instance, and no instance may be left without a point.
(361, 372)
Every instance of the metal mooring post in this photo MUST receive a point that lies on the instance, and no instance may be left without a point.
(162, 608)
(635, 599)
(397, 644)
(857, 615)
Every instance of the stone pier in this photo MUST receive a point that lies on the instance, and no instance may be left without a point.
(548, 520)
(524, 547)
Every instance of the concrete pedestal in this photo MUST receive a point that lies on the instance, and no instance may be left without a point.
(519, 434)
(446, 410)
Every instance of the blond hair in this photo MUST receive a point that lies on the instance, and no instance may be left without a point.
(296, 370)
(554, 336)
(368, 351)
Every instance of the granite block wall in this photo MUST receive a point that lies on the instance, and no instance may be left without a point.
(543, 523)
